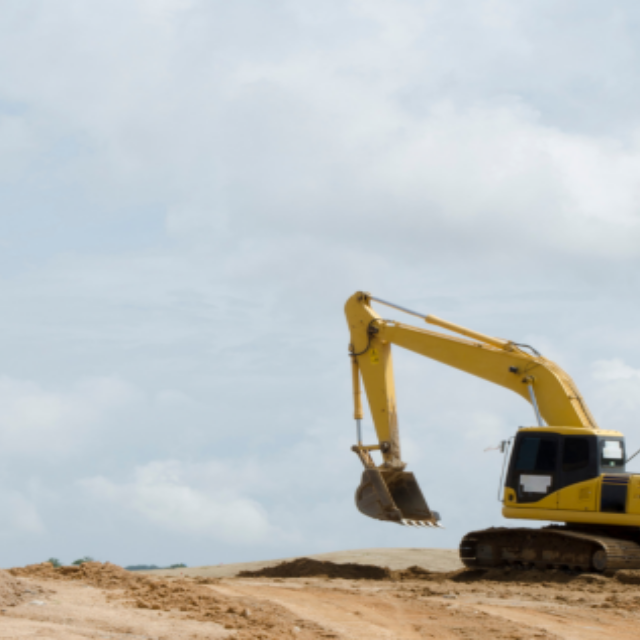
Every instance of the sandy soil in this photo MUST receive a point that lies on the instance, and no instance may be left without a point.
(103, 601)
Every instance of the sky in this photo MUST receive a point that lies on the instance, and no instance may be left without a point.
(190, 190)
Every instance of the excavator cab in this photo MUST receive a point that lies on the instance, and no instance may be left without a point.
(549, 460)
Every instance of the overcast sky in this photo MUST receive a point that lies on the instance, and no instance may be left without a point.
(191, 189)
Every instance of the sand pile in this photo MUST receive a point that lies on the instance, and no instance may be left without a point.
(103, 575)
(249, 617)
(14, 591)
(186, 598)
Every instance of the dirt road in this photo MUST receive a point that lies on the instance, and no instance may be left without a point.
(103, 601)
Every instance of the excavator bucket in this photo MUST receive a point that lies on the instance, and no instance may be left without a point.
(394, 496)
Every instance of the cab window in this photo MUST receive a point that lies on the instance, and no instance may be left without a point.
(537, 454)
(611, 454)
(576, 454)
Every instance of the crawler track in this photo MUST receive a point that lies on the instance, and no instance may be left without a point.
(551, 548)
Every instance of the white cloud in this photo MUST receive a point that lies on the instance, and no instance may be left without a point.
(614, 369)
(19, 515)
(162, 12)
(35, 421)
(165, 494)
(328, 142)
(19, 145)
(616, 395)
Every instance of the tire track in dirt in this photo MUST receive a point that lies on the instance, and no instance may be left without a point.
(372, 612)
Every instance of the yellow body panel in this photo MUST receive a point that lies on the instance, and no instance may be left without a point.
(573, 431)
(565, 515)
(569, 504)
(633, 495)
(548, 502)
(580, 497)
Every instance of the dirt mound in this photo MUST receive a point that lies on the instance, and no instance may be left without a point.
(308, 568)
(249, 617)
(104, 575)
(186, 598)
(628, 576)
(14, 591)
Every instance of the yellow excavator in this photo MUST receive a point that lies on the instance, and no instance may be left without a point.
(564, 470)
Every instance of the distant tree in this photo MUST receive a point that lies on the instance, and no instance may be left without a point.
(55, 562)
(83, 560)
(177, 566)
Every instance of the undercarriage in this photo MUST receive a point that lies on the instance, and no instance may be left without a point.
(575, 548)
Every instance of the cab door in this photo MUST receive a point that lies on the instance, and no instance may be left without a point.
(534, 467)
